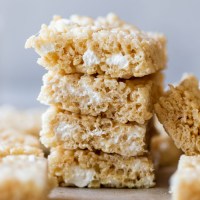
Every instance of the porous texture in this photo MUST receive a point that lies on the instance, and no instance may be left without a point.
(23, 178)
(83, 168)
(121, 100)
(102, 46)
(179, 112)
(13, 142)
(27, 121)
(185, 182)
(73, 131)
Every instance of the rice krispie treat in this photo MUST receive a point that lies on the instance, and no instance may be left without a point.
(23, 178)
(122, 100)
(13, 142)
(102, 46)
(83, 168)
(73, 131)
(27, 121)
(185, 182)
(179, 112)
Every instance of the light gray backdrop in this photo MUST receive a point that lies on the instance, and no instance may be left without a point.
(20, 76)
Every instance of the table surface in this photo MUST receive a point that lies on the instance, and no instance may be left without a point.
(159, 192)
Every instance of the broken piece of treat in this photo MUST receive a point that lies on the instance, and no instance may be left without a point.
(103, 46)
(179, 112)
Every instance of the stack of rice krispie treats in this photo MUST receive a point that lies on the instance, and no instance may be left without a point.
(102, 82)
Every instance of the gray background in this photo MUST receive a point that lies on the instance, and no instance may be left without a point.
(20, 76)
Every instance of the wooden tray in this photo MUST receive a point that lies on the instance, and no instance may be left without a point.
(160, 192)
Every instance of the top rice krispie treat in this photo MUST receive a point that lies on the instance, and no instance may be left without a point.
(179, 112)
(101, 46)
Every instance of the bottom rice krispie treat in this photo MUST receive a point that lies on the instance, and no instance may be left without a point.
(83, 168)
(73, 131)
(185, 183)
(179, 112)
(23, 178)
(13, 142)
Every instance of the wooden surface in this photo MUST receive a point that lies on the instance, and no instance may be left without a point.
(160, 192)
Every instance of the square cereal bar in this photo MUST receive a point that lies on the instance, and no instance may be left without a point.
(73, 131)
(122, 100)
(102, 46)
(83, 168)
(23, 178)
(179, 112)
(185, 182)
